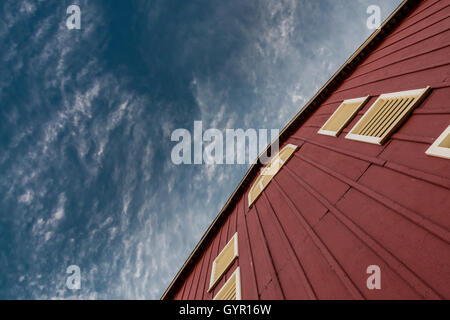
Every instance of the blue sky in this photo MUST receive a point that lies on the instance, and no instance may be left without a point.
(86, 116)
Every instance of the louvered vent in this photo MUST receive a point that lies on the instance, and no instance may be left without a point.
(386, 115)
(441, 147)
(224, 261)
(269, 172)
(231, 290)
(342, 116)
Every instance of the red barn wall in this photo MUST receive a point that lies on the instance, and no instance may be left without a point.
(339, 205)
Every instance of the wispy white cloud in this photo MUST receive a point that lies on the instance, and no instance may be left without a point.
(27, 197)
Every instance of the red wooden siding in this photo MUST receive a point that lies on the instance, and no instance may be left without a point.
(339, 205)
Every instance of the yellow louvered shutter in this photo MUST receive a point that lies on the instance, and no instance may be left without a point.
(269, 172)
(231, 290)
(224, 261)
(441, 147)
(342, 116)
(386, 115)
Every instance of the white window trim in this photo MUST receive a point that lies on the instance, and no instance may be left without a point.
(435, 150)
(212, 282)
(363, 101)
(379, 141)
(238, 284)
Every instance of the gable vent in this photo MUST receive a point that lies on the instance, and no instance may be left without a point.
(386, 115)
(224, 261)
(231, 290)
(441, 147)
(342, 116)
(269, 172)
